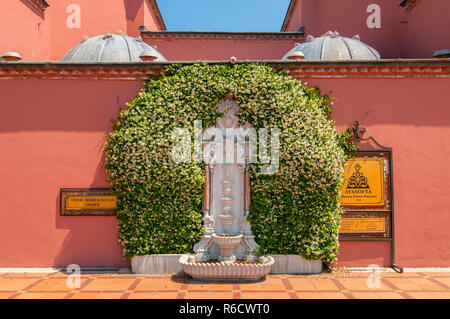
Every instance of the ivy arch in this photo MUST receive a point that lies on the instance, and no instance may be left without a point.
(294, 211)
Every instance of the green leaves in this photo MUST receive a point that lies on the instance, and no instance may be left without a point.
(294, 211)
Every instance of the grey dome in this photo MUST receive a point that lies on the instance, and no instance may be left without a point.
(110, 48)
(331, 46)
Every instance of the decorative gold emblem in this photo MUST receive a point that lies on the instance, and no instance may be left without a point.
(358, 180)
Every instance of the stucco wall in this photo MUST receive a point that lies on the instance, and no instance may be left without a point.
(51, 135)
(217, 47)
(415, 34)
(39, 36)
(411, 116)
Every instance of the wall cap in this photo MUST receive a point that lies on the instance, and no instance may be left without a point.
(411, 68)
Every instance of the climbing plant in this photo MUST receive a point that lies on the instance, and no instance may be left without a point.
(294, 211)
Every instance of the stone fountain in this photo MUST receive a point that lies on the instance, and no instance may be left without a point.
(227, 249)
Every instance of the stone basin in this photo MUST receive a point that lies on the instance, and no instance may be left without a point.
(227, 221)
(226, 270)
(226, 241)
(227, 200)
(226, 245)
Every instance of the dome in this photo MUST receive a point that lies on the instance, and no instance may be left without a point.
(111, 48)
(331, 46)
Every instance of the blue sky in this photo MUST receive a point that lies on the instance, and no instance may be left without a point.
(223, 15)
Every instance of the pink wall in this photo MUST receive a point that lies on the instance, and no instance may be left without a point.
(411, 116)
(426, 30)
(416, 34)
(24, 29)
(179, 47)
(46, 36)
(51, 137)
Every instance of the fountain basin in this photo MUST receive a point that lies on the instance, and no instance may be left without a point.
(226, 270)
(226, 245)
(227, 200)
(226, 241)
(226, 221)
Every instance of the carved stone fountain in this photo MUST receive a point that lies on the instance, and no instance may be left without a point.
(227, 249)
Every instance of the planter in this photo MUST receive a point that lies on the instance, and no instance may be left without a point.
(169, 264)
(226, 270)
(156, 264)
(295, 264)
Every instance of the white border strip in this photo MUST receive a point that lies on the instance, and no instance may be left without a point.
(63, 270)
(388, 269)
(128, 270)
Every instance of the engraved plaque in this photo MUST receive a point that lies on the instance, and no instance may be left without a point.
(363, 182)
(87, 201)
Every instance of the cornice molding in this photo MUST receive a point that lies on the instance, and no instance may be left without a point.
(288, 16)
(232, 36)
(66, 71)
(379, 70)
(157, 13)
(41, 5)
(385, 69)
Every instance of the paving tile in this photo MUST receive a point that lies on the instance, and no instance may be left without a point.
(115, 286)
(97, 295)
(165, 295)
(276, 295)
(442, 295)
(301, 284)
(109, 284)
(252, 287)
(142, 295)
(365, 295)
(353, 283)
(308, 295)
(200, 287)
(150, 284)
(389, 295)
(445, 281)
(85, 295)
(39, 295)
(220, 286)
(274, 284)
(221, 295)
(64, 275)
(421, 295)
(197, 295)
(170, 285)
(108, 276)
(11, 284)
(6, 295)
(52, 284)
(397, 274)
(403, 284)
(379, 286)
(323, 284)
(332, 295)
(437, 274)
(425, 284)
(252, 295)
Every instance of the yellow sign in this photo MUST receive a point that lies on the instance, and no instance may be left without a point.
(363, 182)
(91, 202)
(362, 225)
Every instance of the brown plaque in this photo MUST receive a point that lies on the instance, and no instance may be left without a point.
(365, 225)
(87, 201)
(366, 196)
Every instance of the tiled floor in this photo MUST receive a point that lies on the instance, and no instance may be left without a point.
(347, 285)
